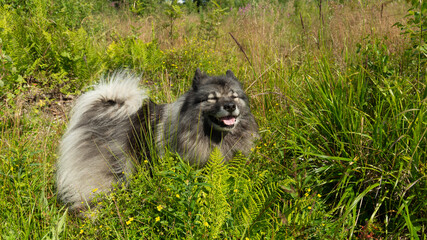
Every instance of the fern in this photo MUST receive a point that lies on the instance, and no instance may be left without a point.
(252, 199)
(215, 208)
(237, 165)
(258, 209)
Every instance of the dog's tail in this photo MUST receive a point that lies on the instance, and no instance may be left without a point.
(95, 150)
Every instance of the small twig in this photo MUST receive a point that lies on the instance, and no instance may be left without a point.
(303, 33)
(261, 74)
(358, 213)
(241, 48)
(120, 217)
(302, 22)
(320, 13)
(270, 92)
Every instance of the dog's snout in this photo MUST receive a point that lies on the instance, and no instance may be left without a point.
(230, 107)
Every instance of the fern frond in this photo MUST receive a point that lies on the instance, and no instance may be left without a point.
(216, 208)
(237, 166)
(260, 179)
(216, 166)
(258, 207)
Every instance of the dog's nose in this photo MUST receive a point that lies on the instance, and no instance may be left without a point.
(230, 107)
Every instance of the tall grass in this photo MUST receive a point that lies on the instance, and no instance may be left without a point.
(338, 92)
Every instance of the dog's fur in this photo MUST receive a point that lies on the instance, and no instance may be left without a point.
(112, 127)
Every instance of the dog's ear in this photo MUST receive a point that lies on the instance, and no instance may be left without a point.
(198, 73)
(198, 76)
(230, 74)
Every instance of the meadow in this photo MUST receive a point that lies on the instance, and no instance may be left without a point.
(338, 89)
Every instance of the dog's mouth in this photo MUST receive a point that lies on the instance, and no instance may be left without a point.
(227, 122)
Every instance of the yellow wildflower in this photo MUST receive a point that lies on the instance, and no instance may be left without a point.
(160, 208)
(129, 221)
(42, 103)
(157, 219)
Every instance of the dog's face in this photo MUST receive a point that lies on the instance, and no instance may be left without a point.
(219, 100)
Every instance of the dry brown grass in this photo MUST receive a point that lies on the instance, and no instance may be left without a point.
(124, 23)
(350, 24)
(271, 33)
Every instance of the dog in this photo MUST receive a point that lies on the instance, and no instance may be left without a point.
(113, 128)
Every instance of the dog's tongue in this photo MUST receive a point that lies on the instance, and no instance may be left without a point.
(229, 120)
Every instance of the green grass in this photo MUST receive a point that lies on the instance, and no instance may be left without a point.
(343, 148)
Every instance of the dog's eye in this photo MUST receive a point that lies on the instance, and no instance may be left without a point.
(212, 99)
(235, 96)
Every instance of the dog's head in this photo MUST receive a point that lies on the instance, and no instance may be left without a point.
(219, 100)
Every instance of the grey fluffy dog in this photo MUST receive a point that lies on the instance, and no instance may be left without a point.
(113, 126)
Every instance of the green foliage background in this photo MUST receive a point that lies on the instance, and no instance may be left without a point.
(343, 125)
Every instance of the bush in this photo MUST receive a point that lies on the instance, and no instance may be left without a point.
(39, 49)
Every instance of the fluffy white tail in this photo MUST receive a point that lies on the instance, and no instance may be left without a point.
(94, 152)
